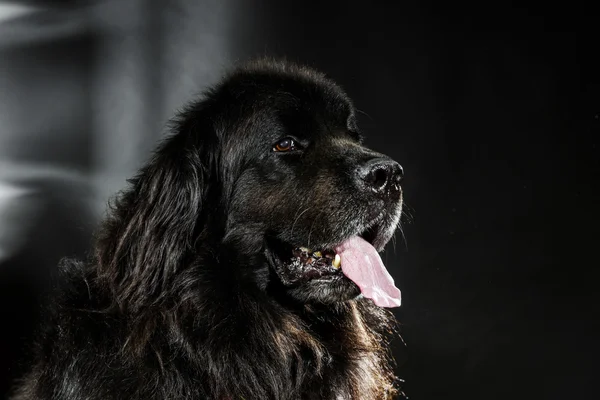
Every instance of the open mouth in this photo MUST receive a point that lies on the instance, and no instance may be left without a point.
(296, 265)
(326, 260)
(354, 258)
(302, 263)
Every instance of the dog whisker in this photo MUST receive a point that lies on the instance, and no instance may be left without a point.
(296, 219)
(312, 224)
(364, 113)
(401, 229)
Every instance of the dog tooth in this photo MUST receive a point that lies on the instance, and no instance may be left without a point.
(305, 249)
(337, 261)
(317, 254)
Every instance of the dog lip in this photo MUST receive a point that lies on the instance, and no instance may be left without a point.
(380, 229)
(363, 231)
(370, 231)
(375, 224)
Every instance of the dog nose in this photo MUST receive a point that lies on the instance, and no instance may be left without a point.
(382, 175)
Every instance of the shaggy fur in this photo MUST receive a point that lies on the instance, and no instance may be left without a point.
(181, 299)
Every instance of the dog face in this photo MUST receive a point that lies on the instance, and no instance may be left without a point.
(304, 185)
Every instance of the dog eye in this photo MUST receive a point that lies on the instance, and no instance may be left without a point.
(286, 144)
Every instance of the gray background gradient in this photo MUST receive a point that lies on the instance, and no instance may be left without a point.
(493, 111)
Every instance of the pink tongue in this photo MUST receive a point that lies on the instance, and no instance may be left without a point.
(362, 264)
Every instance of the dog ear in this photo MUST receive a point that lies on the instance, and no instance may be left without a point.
(152, 228)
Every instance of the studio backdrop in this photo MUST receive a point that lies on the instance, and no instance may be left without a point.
(493, 114)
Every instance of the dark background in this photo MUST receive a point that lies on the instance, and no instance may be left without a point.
(493, 111)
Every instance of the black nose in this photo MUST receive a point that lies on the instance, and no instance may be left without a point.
(382, 176)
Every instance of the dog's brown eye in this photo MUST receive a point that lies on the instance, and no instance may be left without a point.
(286, 144)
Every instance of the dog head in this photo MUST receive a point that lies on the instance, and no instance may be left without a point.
(270, 168)
(304, 191)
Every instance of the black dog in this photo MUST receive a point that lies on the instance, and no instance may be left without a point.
(242, 261)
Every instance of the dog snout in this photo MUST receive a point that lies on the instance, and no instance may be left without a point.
(382, 176)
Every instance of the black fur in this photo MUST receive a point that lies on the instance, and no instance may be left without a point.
(183, 297)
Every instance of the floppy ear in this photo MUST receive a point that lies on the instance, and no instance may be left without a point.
(152, 228)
